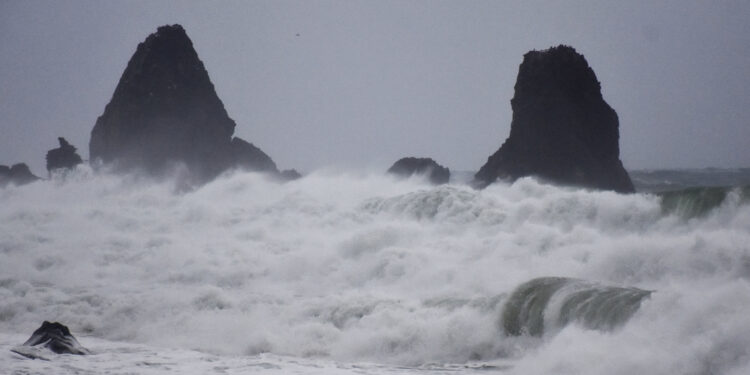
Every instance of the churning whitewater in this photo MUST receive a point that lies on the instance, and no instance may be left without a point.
(338, 272)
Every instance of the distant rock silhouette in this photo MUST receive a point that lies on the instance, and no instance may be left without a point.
(63, 157)
(247, 156)
(562, 129)
(406, 167)
(18, 174)
(290, 174)
(165, 111)
(53, 336)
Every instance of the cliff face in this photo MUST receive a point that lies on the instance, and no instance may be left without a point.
(562, 129)
(165, 111)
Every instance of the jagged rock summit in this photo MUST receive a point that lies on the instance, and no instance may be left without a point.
(165, 111)
(562, 129)
(63, 157)
(406, 167)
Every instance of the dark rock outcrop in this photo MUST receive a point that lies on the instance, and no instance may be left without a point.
(246, 156)
(165, 111)
(406, 167)
(562, 129)
(53, 336)
(63, 157)
(18, 174)
(290, 175)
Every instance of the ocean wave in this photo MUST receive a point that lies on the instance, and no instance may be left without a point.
(361, 267)
(550, 303)
(699, 201)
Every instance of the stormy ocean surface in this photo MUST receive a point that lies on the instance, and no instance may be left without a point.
(340, 273)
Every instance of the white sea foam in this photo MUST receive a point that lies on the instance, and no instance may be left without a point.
(359, 268)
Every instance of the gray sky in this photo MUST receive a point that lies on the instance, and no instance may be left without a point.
(368, 82)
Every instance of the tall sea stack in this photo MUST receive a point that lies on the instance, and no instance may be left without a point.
(165, 112)
(562, 129)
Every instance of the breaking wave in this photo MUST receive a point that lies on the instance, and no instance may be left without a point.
(365, 268)
(699, 201)
(550, 303)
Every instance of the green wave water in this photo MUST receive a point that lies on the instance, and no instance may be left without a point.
(547, 303)
(699, 201)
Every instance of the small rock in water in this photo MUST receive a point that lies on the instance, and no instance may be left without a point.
(407, 167)
(53, 336)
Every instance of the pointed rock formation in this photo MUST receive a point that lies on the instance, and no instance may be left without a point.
(18, 174)
(562, 129)
(406, 167)
(63, 157)
(165, 111)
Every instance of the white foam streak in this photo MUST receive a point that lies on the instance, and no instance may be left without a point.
(366, 268)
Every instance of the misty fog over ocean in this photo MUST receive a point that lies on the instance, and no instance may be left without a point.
(359, 272)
